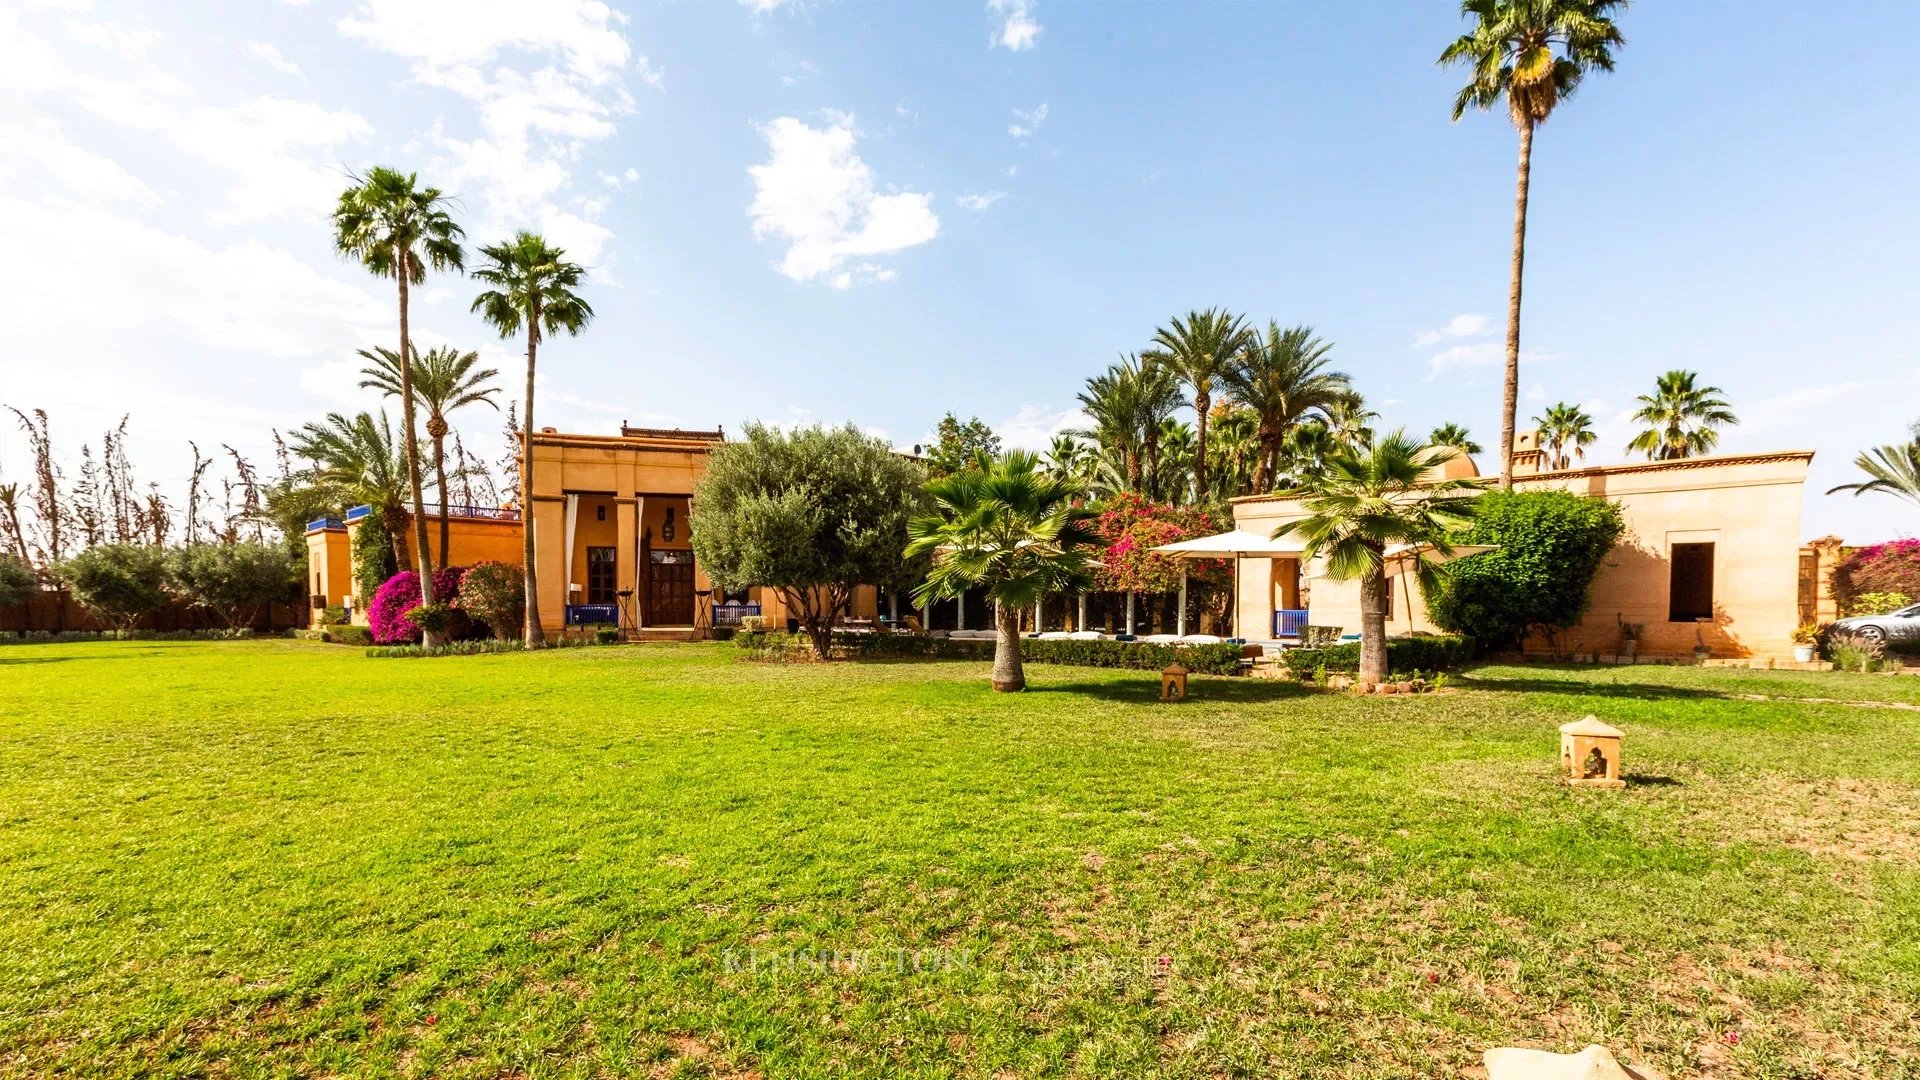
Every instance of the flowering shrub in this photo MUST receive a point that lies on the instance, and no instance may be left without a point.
(1893, 567)
(1131, 526)
(495, 593)
(387, 614)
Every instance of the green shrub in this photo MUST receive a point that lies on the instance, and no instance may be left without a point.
(333, 615)
(59, 637)
(1550, 544)
(117, 583)
(495, 593)
(723, 633)
(606, 635)
(232, 580)
(1221, 659)
(350, 635)
(373, 561)
(1403, 654)
(451, 648)
(17, 580)
(1878, 603)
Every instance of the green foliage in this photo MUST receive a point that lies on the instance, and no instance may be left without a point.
(1403, 654)
(373, 561)
(482, 647)
(495, 593)
(1456, 436)
(1892, 567)
(350, 635)
(1878, 603)
(436, 618)
(64, 637)
(606, 635)
(1130, 526)
(1565, 433)
(1283, 377)
(333, 615)
(232, 580)
(959, 445)
(1532, 54)
(1891, 470)
(812, 512)
(1681, 418)
(117, 583)
(1851, 652)
(1551, 544)
(17, 580)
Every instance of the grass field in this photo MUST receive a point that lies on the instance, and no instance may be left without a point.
(282, 858)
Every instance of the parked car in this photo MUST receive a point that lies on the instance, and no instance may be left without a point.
(1895, 627)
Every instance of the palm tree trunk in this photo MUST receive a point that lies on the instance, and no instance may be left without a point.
(1008, 674)
(396, 537)
(423, 557)
(1202, 401)
(440, 479)
(536, 636)
(1510, 396)
(1373, 627)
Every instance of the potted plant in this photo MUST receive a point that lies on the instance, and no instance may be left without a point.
(1629, 640)
(1806, 639)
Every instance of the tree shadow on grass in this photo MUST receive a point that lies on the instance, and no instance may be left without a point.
(1145, 690)
(1636, 691)
(5, 660)
(1635, 779)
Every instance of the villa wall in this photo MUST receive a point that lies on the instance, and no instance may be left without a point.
(1746, 506)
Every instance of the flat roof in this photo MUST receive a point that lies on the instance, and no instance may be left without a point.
(1620, 469)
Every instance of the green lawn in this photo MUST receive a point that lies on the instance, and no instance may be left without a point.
(281, 858)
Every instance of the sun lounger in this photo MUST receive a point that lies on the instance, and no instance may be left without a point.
(1085, 635)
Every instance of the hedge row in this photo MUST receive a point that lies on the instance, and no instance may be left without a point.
(55, 637)
(342, 634)
(1221, 659)
(1439, 653)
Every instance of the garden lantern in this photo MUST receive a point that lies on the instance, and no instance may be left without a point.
(1590, 752)
(1173, 683)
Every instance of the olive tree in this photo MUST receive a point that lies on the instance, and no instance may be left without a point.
(232, 580)
(811, 513)
(117, 583)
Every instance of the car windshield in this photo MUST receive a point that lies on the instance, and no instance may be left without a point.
(1909, 612)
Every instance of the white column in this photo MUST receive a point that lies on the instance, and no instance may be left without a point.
(893, 607)
(1180, 620)
(1129, 611)
(1036, 616)
(1080, 617)
(960, 611)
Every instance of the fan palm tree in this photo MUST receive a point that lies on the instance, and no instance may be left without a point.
(1127, 403)
(1895, 471)
(1367, 499)
(1566, 431)
(444, 379)
(1014, 528)
(1283, 377)
(357, 461)
(1196, 350)
(1456, 436)
(396, 228)
(1533, 54)
(533, 290)
(1681, 418)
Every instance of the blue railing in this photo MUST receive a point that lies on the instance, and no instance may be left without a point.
(731, 614)
(589, 614)
(359, 512)
(469, 510)
(1289, 623)
(328, 522)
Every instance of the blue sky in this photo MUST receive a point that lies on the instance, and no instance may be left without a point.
(853, 211)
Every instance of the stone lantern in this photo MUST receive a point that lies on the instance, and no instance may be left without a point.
(1173, 683)
(1590, 752)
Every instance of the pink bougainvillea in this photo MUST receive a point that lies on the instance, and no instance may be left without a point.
(1132, 526)
(387, 614)
(1892, 567)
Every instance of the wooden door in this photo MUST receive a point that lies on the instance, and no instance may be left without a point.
(670, 589)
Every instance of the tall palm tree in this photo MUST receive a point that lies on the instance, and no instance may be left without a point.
(1680, 417)
(1349, 420)
(1567, 431)
(396, 228)
(357, 461)
(1126, 404)
(444, 379)
(1283, 377)
(1370, 498)
(1197, 349)
(1895, 470)
(1014, 528)
(1233, 438)
(1533, 54)
(1178, 447)
(1304, 454)
(1456, 436)
(533, 289)
(1070, 459)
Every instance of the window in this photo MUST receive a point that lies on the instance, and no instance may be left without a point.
(1389, 596)
(600, 575)
(1690, 591)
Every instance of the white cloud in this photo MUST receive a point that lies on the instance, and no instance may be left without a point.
(1027, 121)
(653, 76)
(761, 7)
(468, 33)
(1013, 170)
(816, 193)
(71, 170)
(807, 70)
(1783, 410)
(270, 55)
(980, 200)
(1014, 27)
(1034, 426)
(1457, 327)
